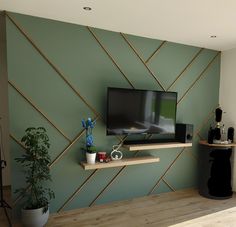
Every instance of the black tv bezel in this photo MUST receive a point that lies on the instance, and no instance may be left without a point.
(142, 90)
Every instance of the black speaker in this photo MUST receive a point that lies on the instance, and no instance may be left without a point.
(184, 133)
(211, 135)
(230, 134)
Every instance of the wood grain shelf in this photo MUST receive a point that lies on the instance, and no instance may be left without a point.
(122, 162)
(151, 146)
(204, 142)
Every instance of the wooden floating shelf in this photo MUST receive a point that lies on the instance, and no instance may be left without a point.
(122, 162)
(150, 146)
(204, 142)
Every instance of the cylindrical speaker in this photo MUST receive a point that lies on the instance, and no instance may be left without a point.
(217, 134)
(230, 134)
(211, 135)
(218, 114)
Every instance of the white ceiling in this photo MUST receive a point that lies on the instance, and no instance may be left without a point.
(183, 21)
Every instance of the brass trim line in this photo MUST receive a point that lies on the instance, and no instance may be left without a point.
(149, 70)
(111, 182)
(109, 55)
(168, 184)
(68, 147)
(104, 189)
(77, 191)
(19, 197)
(198, 78)
(198, 134)
(17, 141)
(205, 120)
(185, 68)
(173, 162)
(155, 52)
(50, 62)
(38, 110)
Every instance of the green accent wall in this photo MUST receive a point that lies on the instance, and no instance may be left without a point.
(77, 55)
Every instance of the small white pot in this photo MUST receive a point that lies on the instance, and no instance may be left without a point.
(34, 217)
(91, 158)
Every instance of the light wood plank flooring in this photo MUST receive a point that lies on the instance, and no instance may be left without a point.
(182, 208)
(185, 208)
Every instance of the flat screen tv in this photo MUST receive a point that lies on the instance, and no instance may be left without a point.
(131, 111)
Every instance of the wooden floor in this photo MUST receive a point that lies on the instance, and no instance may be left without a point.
(184, 208)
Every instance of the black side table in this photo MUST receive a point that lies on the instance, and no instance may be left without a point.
(215, 170)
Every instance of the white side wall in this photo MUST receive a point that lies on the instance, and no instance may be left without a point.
(228, 96)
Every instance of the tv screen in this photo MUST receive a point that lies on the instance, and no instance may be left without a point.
(131, 111)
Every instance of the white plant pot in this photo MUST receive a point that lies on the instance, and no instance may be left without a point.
(91, 158)
(34, 217)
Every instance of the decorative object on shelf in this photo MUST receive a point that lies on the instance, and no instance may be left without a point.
(90, 149)
(211, 135)
(230, 134)
(217, 135)
(116, 154)
(35, 162)
(102, 156)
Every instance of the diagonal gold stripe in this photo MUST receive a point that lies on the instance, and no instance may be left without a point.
(157, 183)
(156, 51)
(104, 189)
(68, 147)
(196, 133)
(186, 67)
(77, 191)
(149, 70)
(38, 110)
(111, 182)
(17, 141)
(50, 62)
(199, 136)
(168, 184)
(206, 120)
(198, 78)
(109, 55)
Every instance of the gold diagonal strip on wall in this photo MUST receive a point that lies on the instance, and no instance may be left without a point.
(77, 191)
(186, 67)
(50, 63)
(157, 183)
(111, 182)
(17, 141)
(38, 110)
(156, 51)
(109, 55)
(57, 158)
(206, 120)
(168, 185)
(135, 51)
(54, 161)
(198, 78)
(104, 189)
(201, 138)
(69, 146)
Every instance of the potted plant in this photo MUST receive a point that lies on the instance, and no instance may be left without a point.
(90, 149)
(35, 162)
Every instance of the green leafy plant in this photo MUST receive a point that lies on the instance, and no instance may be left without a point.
(35, 162)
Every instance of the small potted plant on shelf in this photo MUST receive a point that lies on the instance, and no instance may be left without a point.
(35, 162)
(90, 149)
